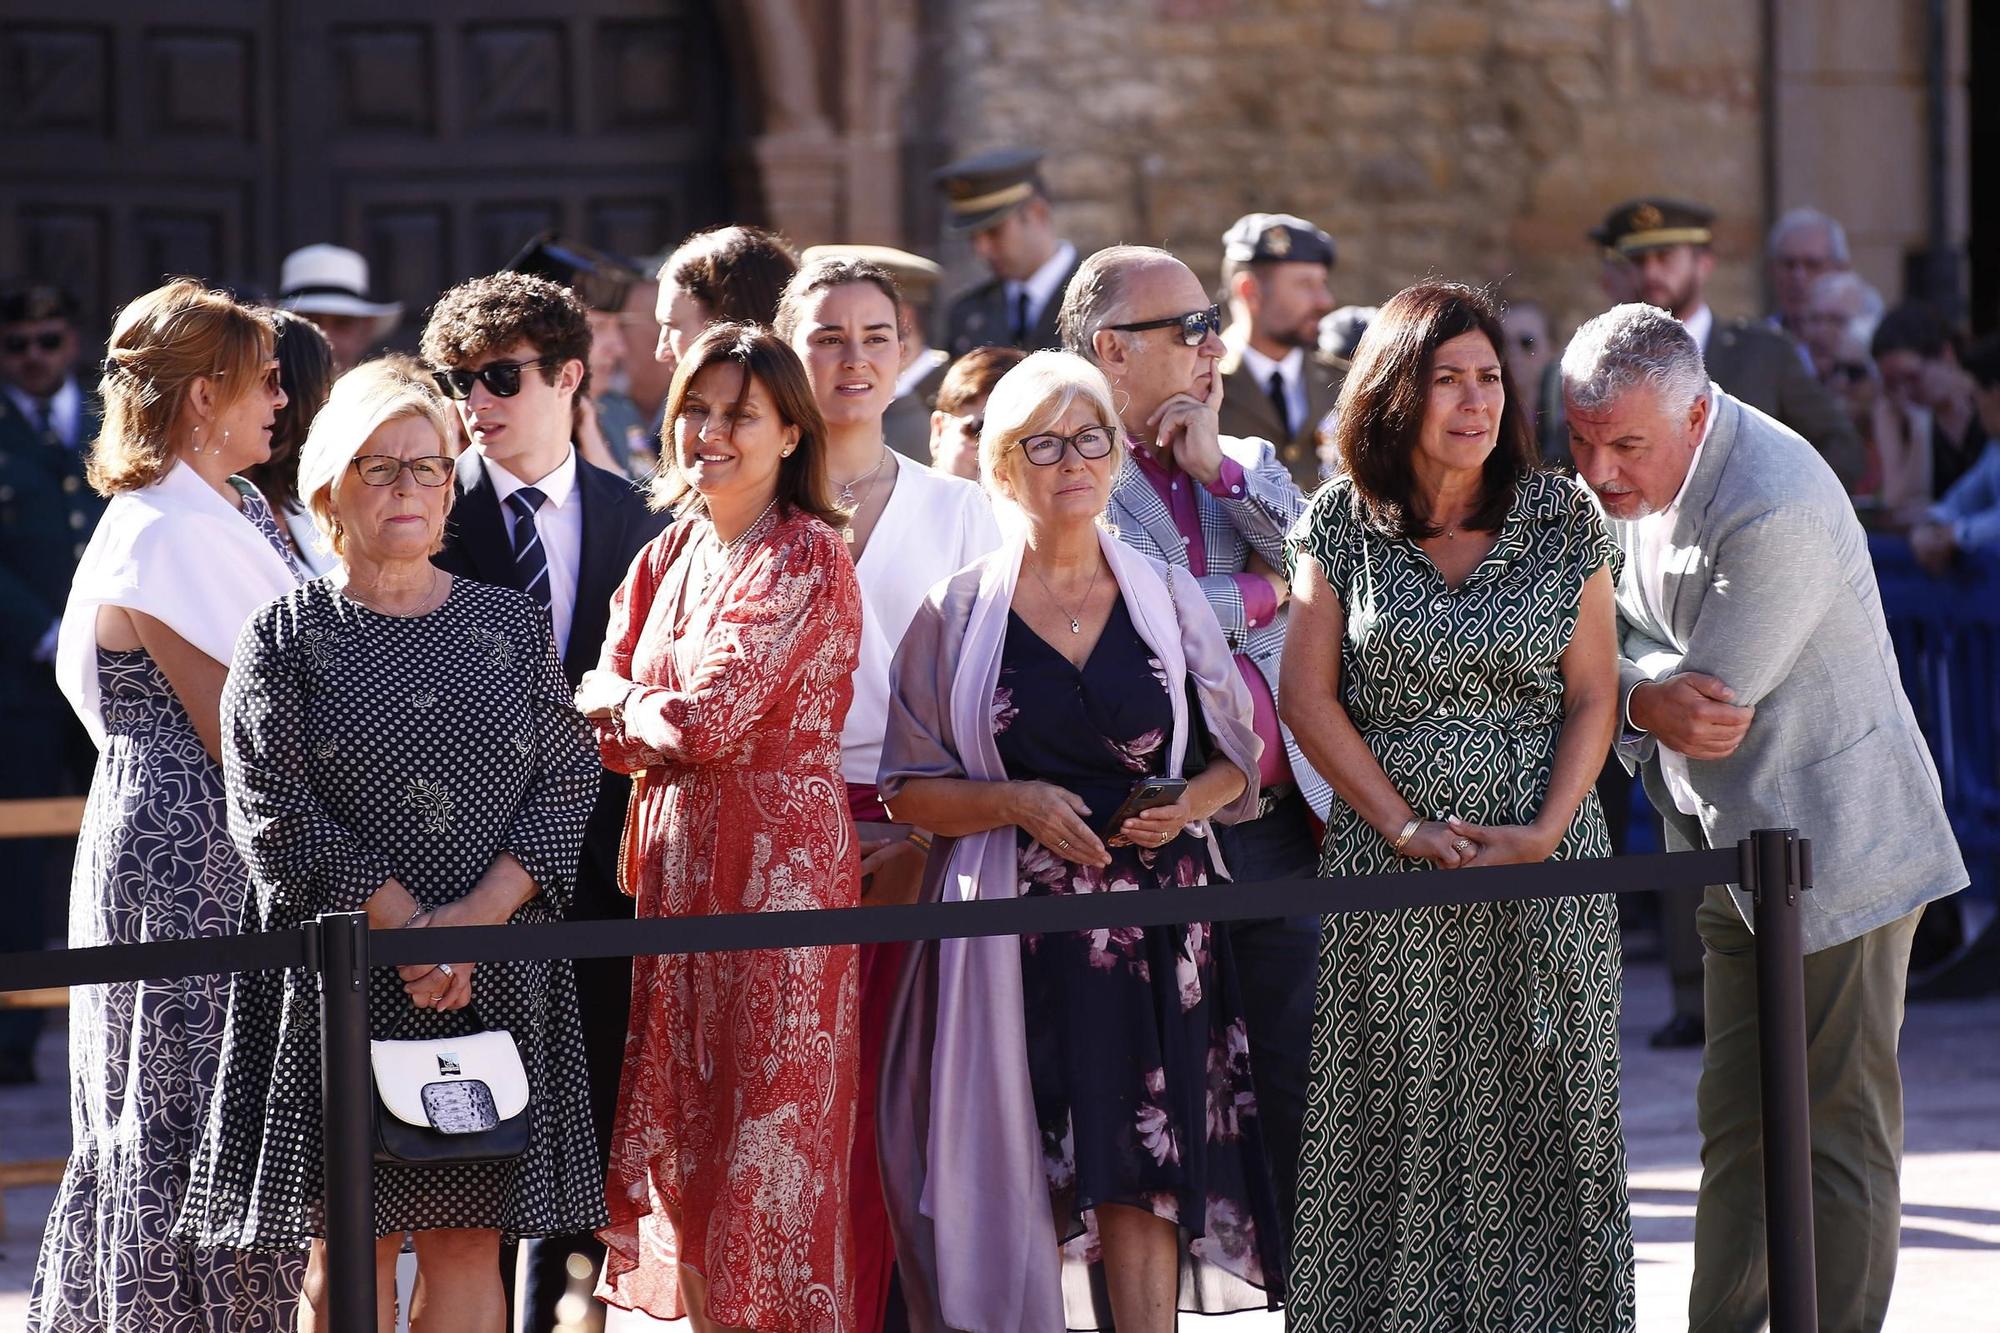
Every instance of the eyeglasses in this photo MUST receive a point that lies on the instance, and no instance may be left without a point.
(1048, 450)
(17, 344)
(1195, 326)
(502, 378)
(1526, 342)
(1852, 372)
(383, 469)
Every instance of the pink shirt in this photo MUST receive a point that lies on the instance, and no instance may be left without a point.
(1260, 599)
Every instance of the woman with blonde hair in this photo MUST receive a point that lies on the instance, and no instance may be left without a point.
(724, 682)
(185, 552)
(400, 742)
(1069, 1112)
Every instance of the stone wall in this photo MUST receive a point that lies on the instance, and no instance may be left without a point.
(1471, 139)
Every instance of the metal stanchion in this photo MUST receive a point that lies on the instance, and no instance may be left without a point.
(345, 1104)
(1778, 864)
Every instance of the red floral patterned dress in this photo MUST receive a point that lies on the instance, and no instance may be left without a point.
(736, 1108)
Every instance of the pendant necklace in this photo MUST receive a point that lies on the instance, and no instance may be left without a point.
(1075, 622)
(847, 487)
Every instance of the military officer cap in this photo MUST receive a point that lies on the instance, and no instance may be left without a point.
(1261, 238)
(1652, 224)
(601, 281)
(981, 190)
(916, 275)
(27, 303)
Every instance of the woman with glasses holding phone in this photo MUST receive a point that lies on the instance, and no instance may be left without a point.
(186, 551)
(1076, 1100)
(399, 741)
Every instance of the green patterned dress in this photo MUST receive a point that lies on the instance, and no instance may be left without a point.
(1463, 1166)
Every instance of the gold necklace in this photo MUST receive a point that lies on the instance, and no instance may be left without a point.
(1075, 620)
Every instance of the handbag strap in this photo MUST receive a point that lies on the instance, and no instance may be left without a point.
(399, 1029)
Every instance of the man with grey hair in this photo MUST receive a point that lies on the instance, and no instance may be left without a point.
(1220, 506)
(1803, 245)
(1760, 691)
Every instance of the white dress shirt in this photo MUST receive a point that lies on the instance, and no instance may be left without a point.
(1699, 324)
(1043, 285)
(65, 410)
(1650, 538)
(559, 522)
(1293, 368)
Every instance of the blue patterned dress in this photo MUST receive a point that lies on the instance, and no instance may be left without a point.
(1463, 1167)
(153, 862)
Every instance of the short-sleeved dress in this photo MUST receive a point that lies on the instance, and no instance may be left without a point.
(360, 745)
(1463, 1164)
(153, 862)
(1137, 1050)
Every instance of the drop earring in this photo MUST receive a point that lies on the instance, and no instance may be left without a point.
(195, 447)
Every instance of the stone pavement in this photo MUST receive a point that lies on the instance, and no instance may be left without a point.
(1949, 1278)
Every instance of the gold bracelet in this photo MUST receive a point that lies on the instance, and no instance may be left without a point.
(1409, 831)
(917, 840)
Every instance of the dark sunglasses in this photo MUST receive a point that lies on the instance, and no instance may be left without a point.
(18, 343)
(502, 378)
(1048, 450)
(383, 469)
(1852, 372)
(1195, 327)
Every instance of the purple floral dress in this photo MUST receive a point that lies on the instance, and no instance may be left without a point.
(1136, 1045)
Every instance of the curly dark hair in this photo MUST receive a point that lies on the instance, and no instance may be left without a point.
(486, 315)
(1380, 413)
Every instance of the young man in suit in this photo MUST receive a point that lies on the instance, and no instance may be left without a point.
(513, 351)
(1277, 384)
(1760, 691)
(1219, 506)
(47, 512)
(998, 200)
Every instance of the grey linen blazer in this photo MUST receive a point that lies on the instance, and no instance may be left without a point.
(1231, 529)
(1770, 589)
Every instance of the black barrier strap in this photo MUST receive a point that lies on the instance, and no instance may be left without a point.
(1223, 901)
(153, 960)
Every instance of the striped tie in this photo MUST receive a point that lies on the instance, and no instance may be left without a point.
(530, 560)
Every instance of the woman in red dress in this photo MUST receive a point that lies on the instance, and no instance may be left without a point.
(723, 687)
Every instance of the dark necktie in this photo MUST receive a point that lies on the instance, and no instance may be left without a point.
(1021, 317)
(530, 560)
(1281, 403)
(43, 413)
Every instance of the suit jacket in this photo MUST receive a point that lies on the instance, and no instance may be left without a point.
(47, 513)
(1756, 364)
(1231, 529)
(616, 523)
(1247, 410)
(980, 318)
(906, 426)
(1770, 589)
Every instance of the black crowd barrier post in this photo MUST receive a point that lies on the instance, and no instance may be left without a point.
(348, 1160)
(1777, 871)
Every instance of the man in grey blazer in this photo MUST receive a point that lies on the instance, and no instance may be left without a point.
(1761, 691)
(1220, 506)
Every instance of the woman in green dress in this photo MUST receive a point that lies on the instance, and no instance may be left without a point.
(1451, 666)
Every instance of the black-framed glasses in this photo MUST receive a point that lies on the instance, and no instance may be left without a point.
(48, 340)
(383, 469)
(1195, 326)
(1048, 450)
(502, 378)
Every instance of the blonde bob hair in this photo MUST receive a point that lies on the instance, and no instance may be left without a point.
(364, 400)
(163, 342)
(1029, 400)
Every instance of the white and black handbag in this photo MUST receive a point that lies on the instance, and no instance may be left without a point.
(450, 1099)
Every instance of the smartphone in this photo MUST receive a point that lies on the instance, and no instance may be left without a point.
(1147, 794)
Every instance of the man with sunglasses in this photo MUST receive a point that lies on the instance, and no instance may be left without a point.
(1220, 505)
(47, 513)
(511, 352)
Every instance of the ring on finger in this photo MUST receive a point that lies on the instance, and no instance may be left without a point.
(446, 969)
(1461, 844)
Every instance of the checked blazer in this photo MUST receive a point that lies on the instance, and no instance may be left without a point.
(1232, 529)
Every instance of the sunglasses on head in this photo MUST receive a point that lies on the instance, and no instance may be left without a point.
(1195, 326)
(1048, 450)
(17, 344)
(501, 378)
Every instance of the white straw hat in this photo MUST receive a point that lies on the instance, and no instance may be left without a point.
(333, 280)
